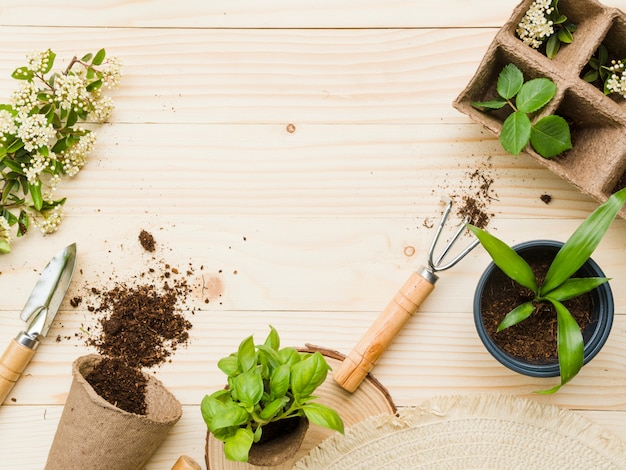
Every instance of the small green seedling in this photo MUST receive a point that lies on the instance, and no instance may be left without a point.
(558, 284)
(265, 384)
(549, 136)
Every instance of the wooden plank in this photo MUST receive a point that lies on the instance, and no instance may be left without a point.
(251, 14)
(272, 14)
(270, 76)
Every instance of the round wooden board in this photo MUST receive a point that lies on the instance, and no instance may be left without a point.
(369, 399)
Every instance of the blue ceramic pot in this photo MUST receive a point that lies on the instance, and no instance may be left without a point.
(594, 335)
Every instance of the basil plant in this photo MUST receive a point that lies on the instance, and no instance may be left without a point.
(558, 284)
(265, 384)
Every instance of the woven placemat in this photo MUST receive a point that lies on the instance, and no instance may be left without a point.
(472, 432)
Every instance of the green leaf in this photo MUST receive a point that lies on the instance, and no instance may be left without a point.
(23, 73)
(515, 132)
(603, 54)
(575, 287)
(307, 375)
(273, 339)
(289, 356)
(210, 407)
(323, 416)
(15, 145)
(550, 136)
(94, 85)
(237, 447)
(99, 57)
(535, 94)
(518, 314)
(280, 380)
(560, 19)
(5, 247)
(36, 196)
(246, 354)
(230, 415)
(582, 243)
(51, 57)
(512, 264)
(249, 386)
(510, 81)
(72, 118)
(493, 104)
(569, 343)
(273, 408)
(552, 46)
(229, 365)
(591, 76)
(565, 36)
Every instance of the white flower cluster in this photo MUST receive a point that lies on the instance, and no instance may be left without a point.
(74, 158)
(38, 61)
(616, 83)
(51, 220)
(535, 26)
(5, 230)
(34, 130)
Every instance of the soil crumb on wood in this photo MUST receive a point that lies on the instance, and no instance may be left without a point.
(147, 241)
(546, 198)
(472, 197)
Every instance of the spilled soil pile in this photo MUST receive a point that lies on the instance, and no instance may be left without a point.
(140, 324)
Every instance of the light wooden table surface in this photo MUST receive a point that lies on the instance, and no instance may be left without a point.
(296, 151)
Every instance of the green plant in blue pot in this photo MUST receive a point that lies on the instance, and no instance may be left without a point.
(569, 275)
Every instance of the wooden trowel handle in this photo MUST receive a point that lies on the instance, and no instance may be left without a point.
(12, 364)
(363, 357)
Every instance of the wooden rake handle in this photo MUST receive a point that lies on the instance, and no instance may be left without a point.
(12, 364)
(381, 333)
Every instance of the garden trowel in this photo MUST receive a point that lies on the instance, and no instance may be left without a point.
(38, 313)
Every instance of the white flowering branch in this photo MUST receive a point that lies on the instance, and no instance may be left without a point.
(41, 140)
(543, 24)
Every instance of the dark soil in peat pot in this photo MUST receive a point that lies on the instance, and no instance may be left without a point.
(140, 324)
(533, 339)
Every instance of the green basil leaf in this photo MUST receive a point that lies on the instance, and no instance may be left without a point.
(515, 132)
(280, 380)
(575, 287)
(535, 94)
(229, 365)
(512, 264)
(273, 339)
(230, 415)
(550, 136)
(289, 356)
(510, 81)
(582, 243)
(238, 446)
(210, 407)
(307, 375)
(518, 314)
(323, 416)
(246, 354)
(273, 408)
(492, 104)
(249, 386)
